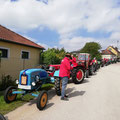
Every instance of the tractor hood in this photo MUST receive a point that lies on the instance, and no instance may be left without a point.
(28, 71)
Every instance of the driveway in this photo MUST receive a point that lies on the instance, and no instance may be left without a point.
(98, 98)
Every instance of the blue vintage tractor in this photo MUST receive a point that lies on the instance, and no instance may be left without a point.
(31, 80)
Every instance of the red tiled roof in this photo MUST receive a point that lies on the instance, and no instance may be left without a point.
(10, 36)
(107, 52)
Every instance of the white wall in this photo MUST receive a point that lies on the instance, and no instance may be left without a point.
(108, 56)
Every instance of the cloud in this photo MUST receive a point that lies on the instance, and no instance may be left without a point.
(44, 45)
(75, 43)
(64, 16)
(35, 40)
(115, 36)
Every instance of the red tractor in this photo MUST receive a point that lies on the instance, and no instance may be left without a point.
(52, 68)
(84, 60)
(82, 67)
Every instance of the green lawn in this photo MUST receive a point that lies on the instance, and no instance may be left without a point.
(5, 108)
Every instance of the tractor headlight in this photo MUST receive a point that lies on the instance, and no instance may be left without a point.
(17, 81)
(33, 83)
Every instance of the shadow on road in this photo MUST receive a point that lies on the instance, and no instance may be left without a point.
(69, 90)
(72, 93)
(48, 106)
(51, 94)
(85, 81)
(76, 93)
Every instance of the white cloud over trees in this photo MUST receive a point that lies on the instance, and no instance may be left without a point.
(64, 16)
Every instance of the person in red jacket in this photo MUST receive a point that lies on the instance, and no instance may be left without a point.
(73, 61)
(64, 73)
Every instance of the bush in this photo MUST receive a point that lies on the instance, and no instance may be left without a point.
(6, 81)
(53, 56)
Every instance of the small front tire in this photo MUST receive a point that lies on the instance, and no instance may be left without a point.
(42, 100)
(8, 96)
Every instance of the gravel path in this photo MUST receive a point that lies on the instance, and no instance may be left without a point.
(98, 98)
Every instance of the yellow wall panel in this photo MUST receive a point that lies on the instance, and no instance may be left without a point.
(14, 63)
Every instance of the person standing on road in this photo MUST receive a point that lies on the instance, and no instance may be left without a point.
(95, 64)
(65, 68)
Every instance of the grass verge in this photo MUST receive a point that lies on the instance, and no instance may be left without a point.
(5, 108)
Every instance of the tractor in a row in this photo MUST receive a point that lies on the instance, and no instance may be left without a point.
(31, 80)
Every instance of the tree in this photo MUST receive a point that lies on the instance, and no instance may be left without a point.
(92, 48)
(53, 56)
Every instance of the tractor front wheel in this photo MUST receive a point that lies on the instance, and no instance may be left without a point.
(42, 100)
(8, 96)
(91, 70)
(78, 75)
(58, 86)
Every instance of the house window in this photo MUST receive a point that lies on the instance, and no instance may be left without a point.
(25, 55)
(3, 53)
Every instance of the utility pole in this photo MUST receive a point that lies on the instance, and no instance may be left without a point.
(117, 43)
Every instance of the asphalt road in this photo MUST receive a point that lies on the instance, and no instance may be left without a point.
(98, 98)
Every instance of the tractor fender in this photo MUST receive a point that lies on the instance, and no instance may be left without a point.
(56, 73)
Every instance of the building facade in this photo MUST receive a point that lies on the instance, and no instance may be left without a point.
(110, 52)
(107, 54)
(17, 53)
(114, 50)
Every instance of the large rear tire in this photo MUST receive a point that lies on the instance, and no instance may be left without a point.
(42, 100)
(8, 96)
(78, 75)
(58, 86)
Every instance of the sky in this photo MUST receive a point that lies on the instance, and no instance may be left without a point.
(64, 23)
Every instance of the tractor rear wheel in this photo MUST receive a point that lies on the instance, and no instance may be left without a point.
(42, 100)
(78, 75)
(8, 96)
(87, 74)
(91, 70)
(58, 86)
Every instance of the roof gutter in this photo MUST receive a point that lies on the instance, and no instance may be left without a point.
(4, 40)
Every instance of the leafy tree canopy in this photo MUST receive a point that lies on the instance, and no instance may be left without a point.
(53, 56)
(92, 48)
